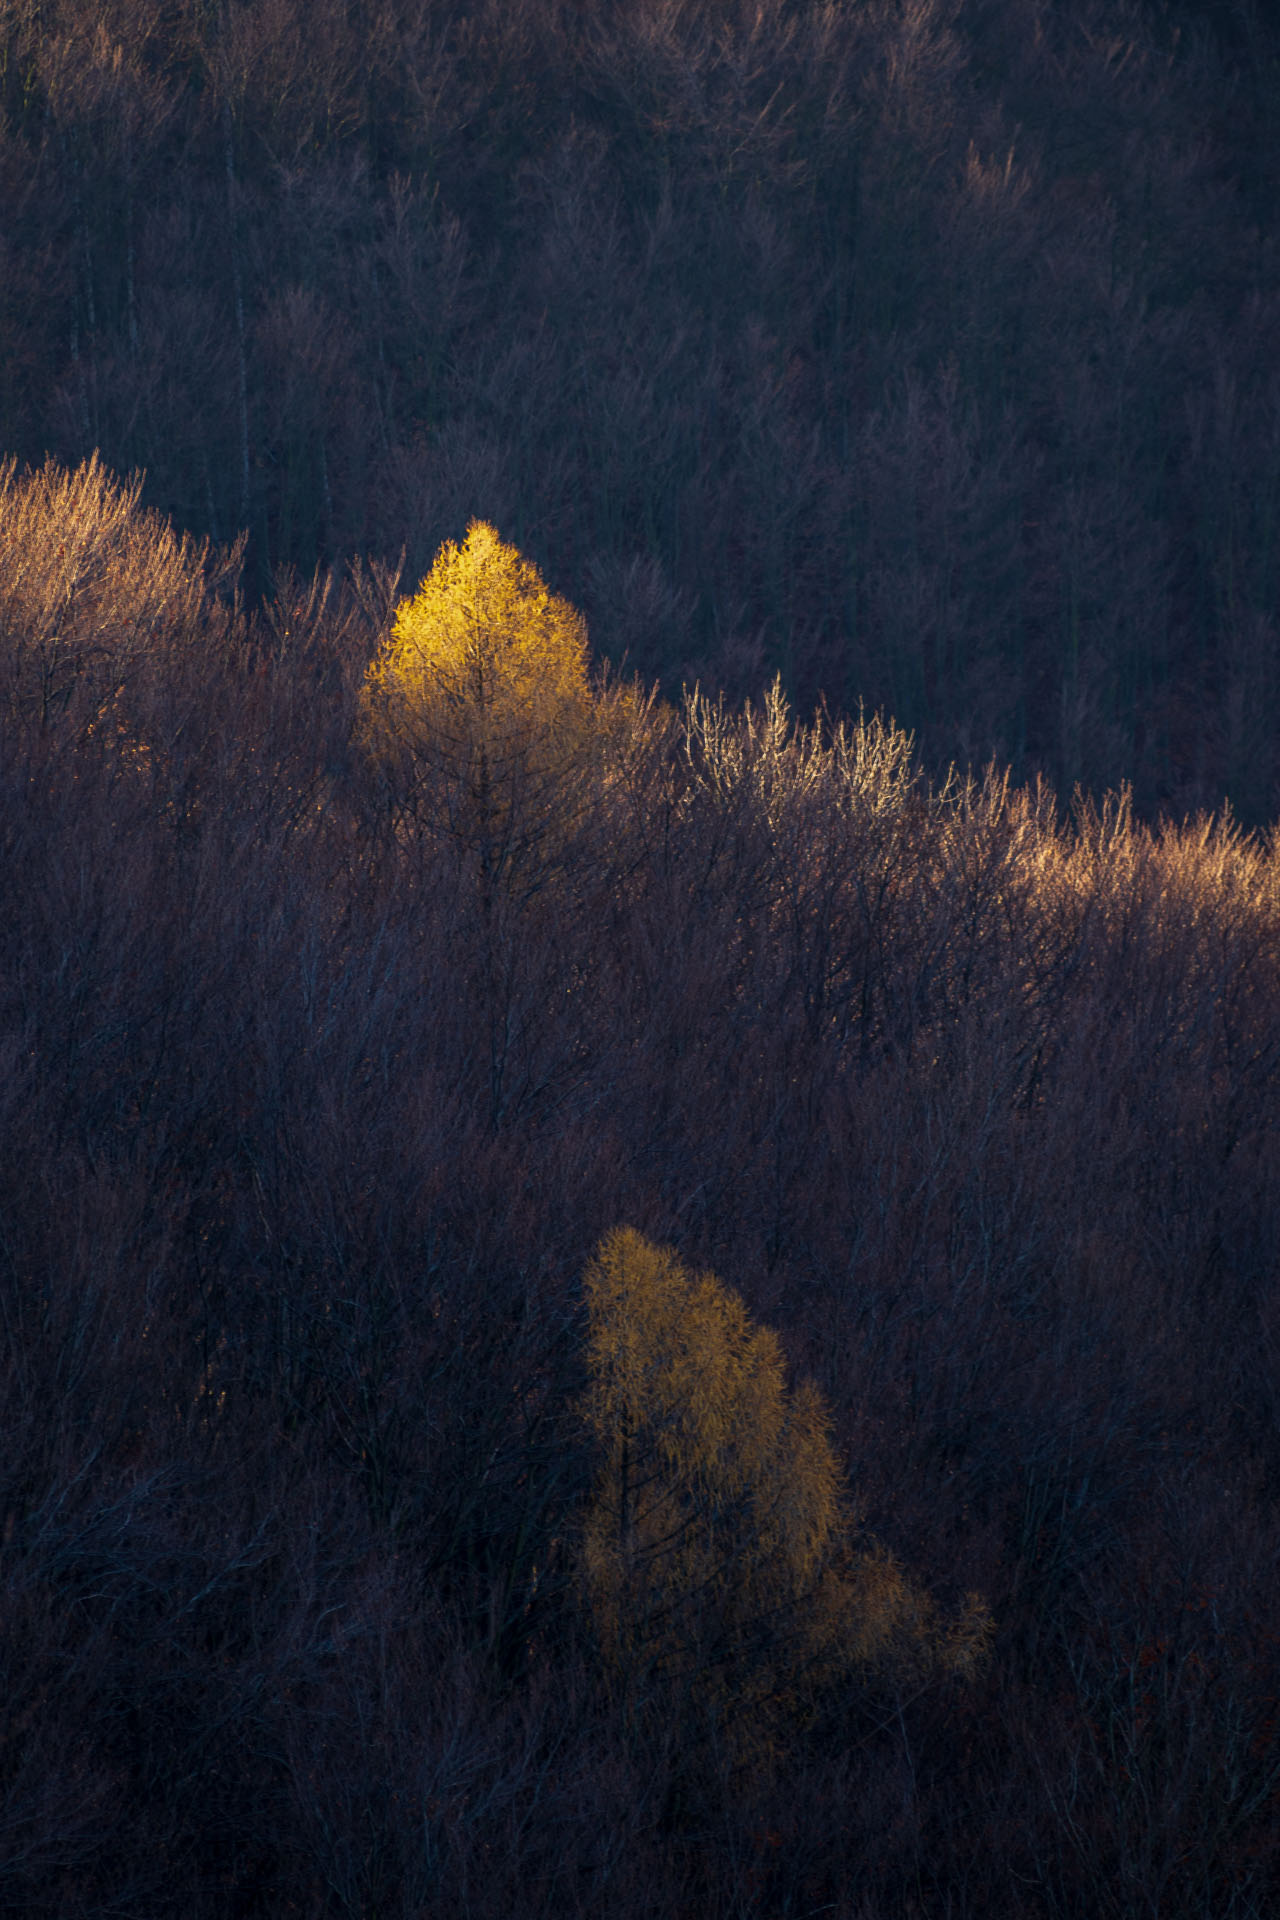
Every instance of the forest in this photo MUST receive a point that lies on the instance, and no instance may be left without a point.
(640, 976)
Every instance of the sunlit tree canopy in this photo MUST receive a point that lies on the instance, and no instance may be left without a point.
(483, 679)
(483, 661)
(717, 1548)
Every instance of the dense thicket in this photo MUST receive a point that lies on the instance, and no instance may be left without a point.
(920, 350)
(308, 1128)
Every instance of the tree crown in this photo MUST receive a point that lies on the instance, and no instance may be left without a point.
(483, 660)
(717, 1548)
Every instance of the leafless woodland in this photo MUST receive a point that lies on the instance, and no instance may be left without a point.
(914, 356)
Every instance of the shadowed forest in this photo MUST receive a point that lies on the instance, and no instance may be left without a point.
(616, 1300)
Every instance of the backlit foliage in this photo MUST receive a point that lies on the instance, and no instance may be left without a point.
(93, 591)
(484, 679)
(716, 1548)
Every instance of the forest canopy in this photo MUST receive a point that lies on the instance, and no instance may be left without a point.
(512, 1373)
(621, 1291)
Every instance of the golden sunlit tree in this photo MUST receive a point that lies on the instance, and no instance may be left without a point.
(483, 681)
(717, 1548)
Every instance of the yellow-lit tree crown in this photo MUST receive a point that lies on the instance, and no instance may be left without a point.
(483, 659)
(717, 1547)
(479, 708)
(682, 1377)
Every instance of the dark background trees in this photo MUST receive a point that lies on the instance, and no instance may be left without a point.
(922, 354)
